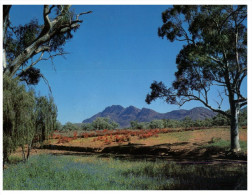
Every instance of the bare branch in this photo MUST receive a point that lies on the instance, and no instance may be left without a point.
(40, 59)
(221, 100)
(46, 82)
(77, 17)
(32, 64)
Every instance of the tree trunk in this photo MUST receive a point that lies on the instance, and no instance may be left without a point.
(43, 133)
(5, 157)
(235, 145)
(23, 153)
(28, 151)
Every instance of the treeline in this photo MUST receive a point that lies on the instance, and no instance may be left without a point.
(27, 118)
(187, 122)
(101, 123)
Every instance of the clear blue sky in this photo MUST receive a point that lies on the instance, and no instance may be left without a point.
(113, 58)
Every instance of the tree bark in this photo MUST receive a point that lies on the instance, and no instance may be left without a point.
(23, 153)
(28, 151)
(235, 145)
(43, 134)
(5, 157)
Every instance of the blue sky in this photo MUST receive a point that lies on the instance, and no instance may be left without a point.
(113, 58)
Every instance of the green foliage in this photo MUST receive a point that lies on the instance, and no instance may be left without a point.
(70, 127)
(156, 124)
(243, 117)
(49, 172)
(221, 120)
(187, 122)
(87, 126)
(139, 125)
(100, 123)
(24, 116)
(46, 116)
(214, 56)
(20, 37)
(25, 42)
(169, 123)
(18, 116)
(58, 126)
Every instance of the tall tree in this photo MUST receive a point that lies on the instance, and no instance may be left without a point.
(18, 117)
(214, 54)
(45, 117)
(32, 40)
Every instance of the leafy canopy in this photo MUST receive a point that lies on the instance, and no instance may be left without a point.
(214, 53)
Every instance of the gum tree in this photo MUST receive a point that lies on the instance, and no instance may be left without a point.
(214, 54)
(26, 45)
(24, 115)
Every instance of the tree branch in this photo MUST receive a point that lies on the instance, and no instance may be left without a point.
(41, 58)
(78, 15)
(50, 29)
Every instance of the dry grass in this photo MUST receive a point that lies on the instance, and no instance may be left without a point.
(192, 138)
(176, 141)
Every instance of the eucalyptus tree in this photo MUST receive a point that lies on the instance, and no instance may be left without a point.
(26, 45)
(214, 54)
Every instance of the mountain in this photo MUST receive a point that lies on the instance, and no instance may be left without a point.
(124, 116)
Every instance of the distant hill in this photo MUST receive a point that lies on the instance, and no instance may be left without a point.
(124, 116)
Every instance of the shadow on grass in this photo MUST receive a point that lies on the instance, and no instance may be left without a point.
(203, 153)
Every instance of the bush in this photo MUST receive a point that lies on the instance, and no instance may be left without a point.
(100, 123)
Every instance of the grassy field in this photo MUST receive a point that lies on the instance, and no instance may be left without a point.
(50, 172)
(192, 160)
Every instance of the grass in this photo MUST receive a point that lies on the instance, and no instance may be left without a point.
(13, 159)
(49, 172)
(225, 144)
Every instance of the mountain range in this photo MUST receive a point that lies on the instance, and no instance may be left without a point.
(124, 116)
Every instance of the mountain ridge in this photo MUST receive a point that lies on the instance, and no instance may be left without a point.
(124, 116)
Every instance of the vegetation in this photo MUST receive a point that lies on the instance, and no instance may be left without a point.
(26, 118)
(48, 172)
(187, 122)
(18, 116)
(214, 54)
(33, 40)
(100, 123)
(70, 127)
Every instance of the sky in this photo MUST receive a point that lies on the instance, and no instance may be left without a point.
(113, 59)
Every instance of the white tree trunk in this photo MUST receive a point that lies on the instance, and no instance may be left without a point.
(235, 145)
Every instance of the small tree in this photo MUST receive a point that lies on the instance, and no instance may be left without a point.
(156, 124)
(187, 122)
(70, 127)
(139, 125)
(58, 126)
(214, 54)
(104, 123)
